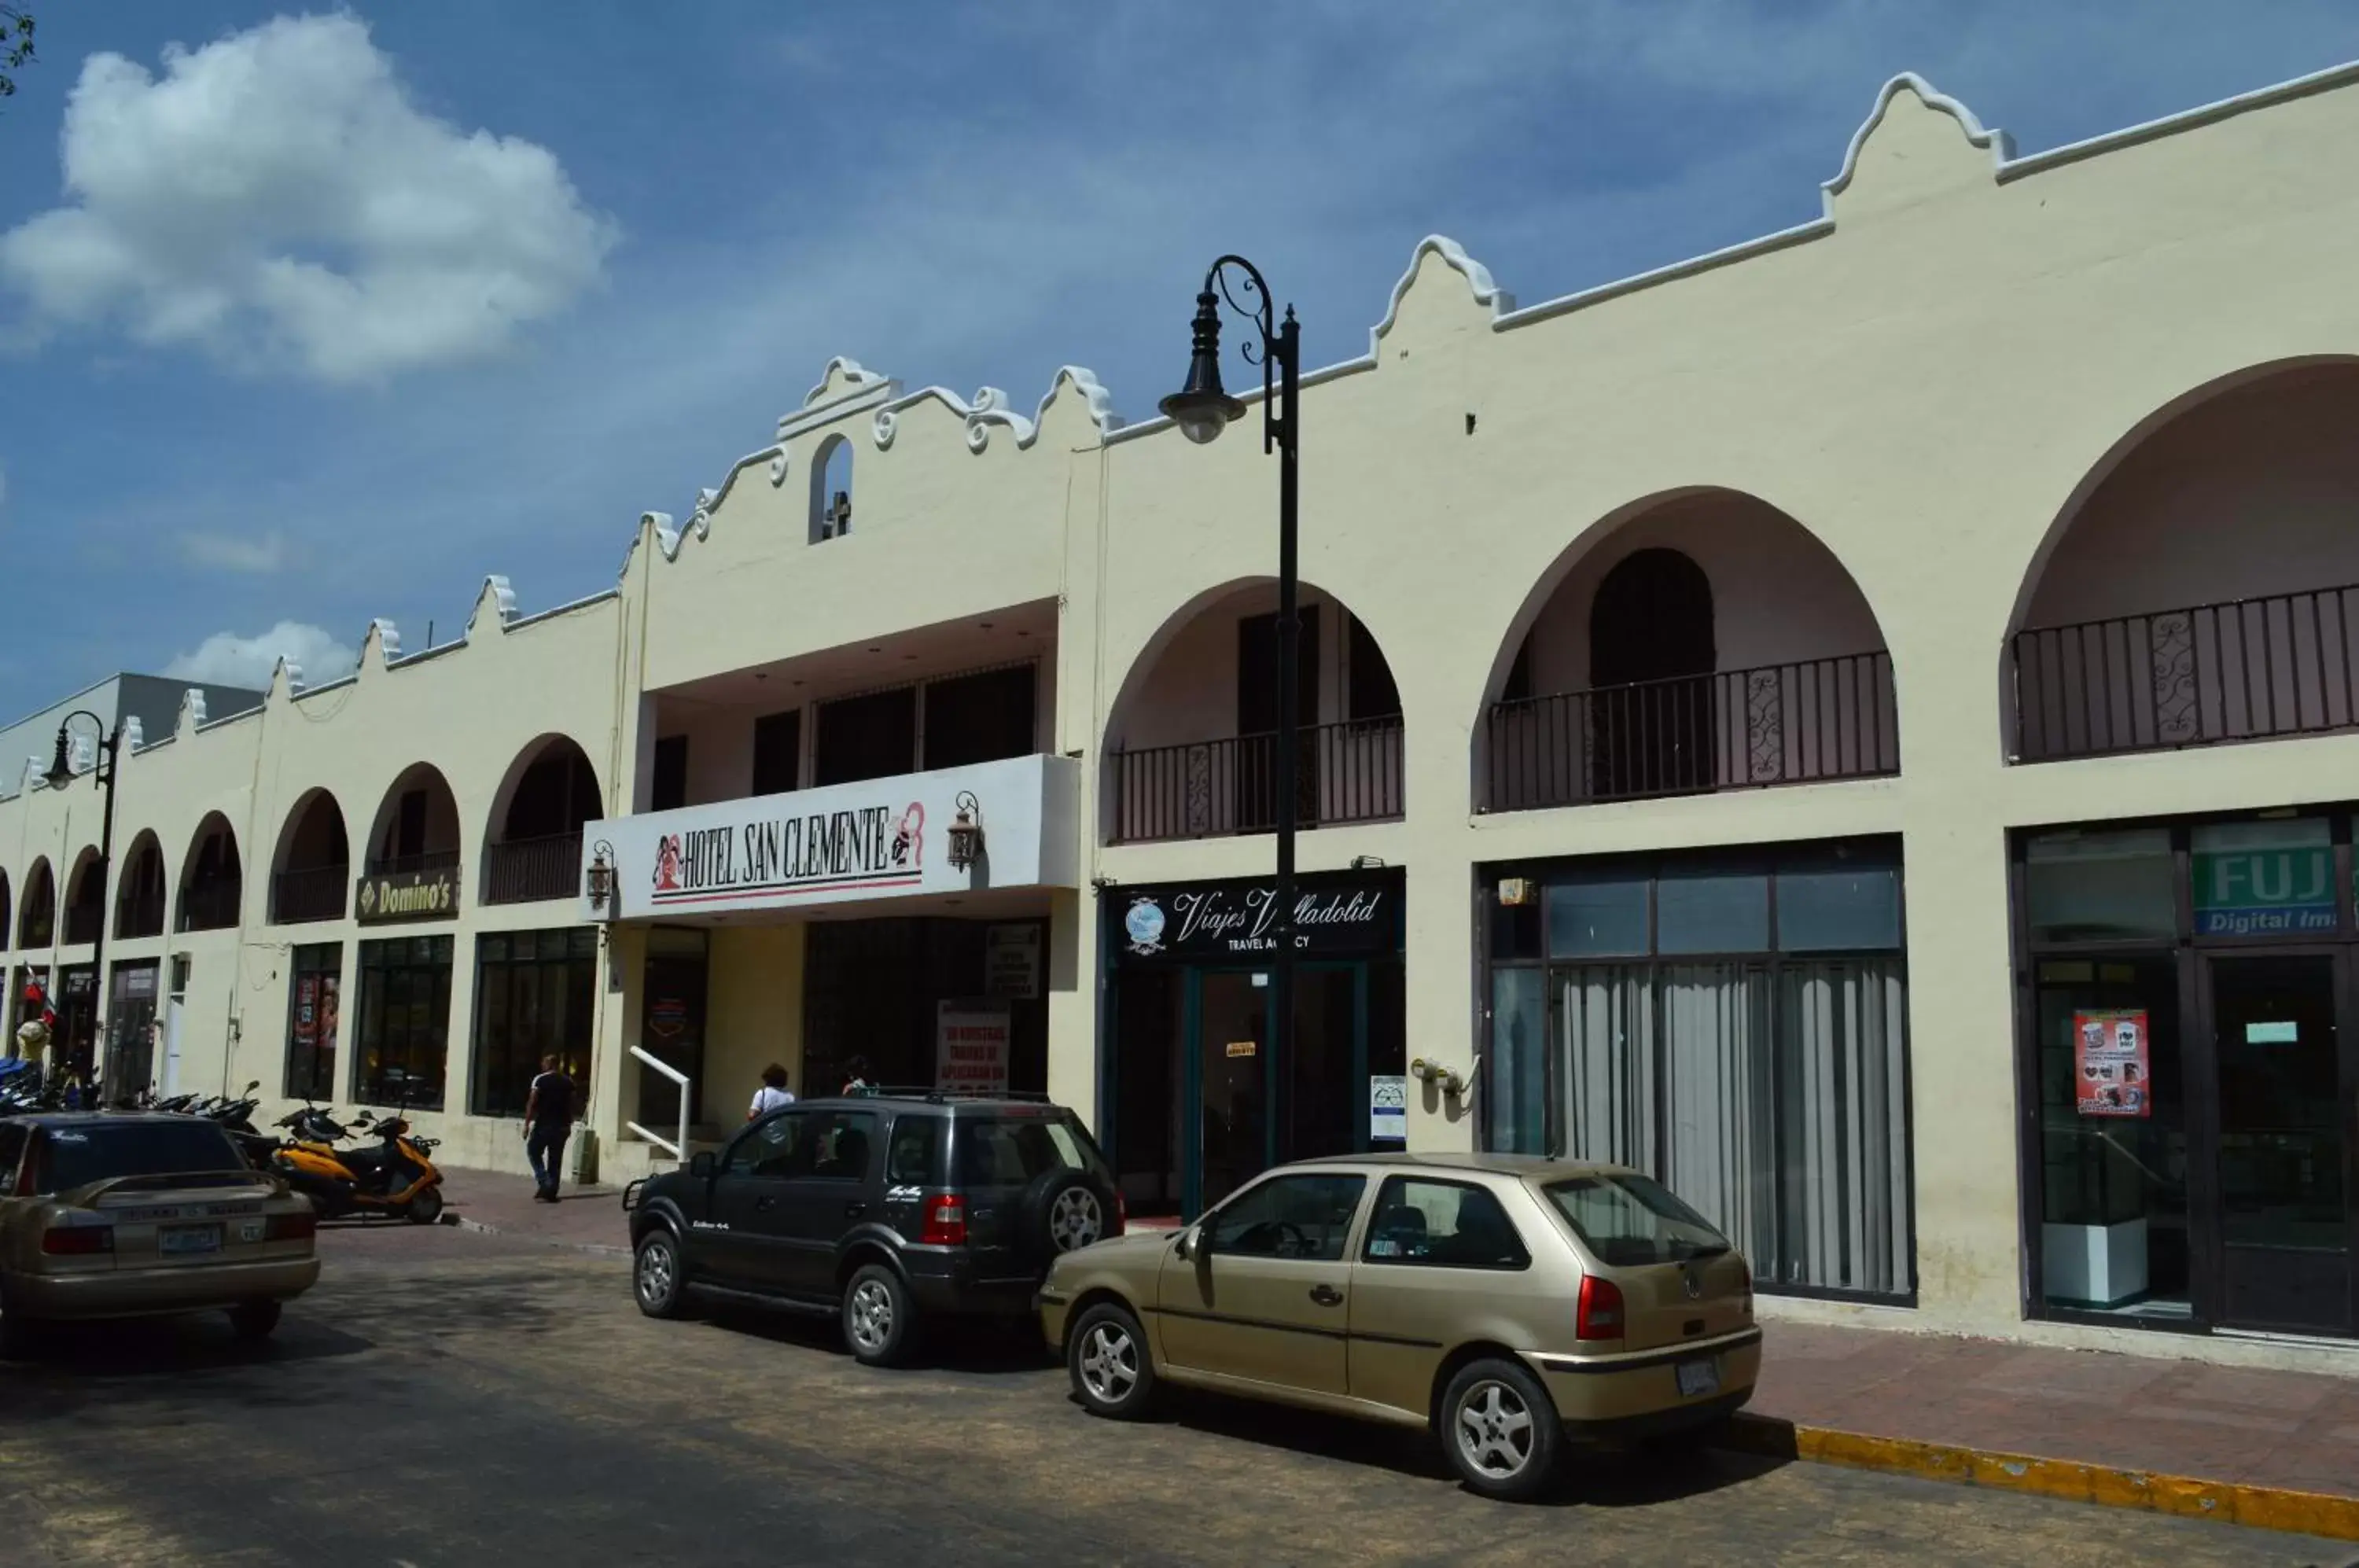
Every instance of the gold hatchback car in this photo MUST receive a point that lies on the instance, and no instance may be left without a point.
(138, 1215)
(1506, 1304)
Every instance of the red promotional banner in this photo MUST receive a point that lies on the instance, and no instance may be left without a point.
(2113, 1071)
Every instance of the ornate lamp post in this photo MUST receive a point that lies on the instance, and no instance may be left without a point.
(1202, 410)
(60, 776)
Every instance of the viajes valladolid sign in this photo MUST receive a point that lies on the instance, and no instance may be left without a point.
(1334, 918)
(879, 839)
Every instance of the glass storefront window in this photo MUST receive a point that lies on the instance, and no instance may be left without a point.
(1711, 912)
(533, 991)
(1518, 1097)
(2101, 886)
(1837, 908)
(2113, 1233)
(2268, 879)
(403, 1039)
(312, 1007)
(1597, 916)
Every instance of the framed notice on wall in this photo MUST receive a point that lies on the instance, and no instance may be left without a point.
(971, 1049)
(2113, 1072)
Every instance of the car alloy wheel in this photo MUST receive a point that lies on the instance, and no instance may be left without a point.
(1075, 1219)
(871, 1318)
(1494, 1431)
(1109, 1361)
(657, 1270)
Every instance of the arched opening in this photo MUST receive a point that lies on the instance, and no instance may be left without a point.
(85, 913)
(1651, 655)
(211, 884)
(416, 826)
(7, 913)
(36, 922)
(2202, 584)
(1191, 748)
(831, 490)
(313, 865)
(1698, 641)
(534, 848)
(139, 891)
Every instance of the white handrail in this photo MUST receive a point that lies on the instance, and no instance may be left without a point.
(680, 1149)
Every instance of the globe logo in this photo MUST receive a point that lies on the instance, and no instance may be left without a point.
(1144, 921)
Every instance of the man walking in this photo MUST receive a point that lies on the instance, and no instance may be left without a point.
(547, 1119)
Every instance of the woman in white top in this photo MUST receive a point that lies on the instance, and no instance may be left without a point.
(772, 1095)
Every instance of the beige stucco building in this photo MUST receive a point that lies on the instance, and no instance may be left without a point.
(1766, 713)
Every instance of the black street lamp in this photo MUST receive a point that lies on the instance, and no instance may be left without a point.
(60, 776)
(1202, 410)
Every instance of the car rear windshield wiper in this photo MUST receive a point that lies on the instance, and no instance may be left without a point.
(1684, 1251)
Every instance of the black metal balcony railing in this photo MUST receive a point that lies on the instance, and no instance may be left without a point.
(2244, 669)
(531, 868)
(404, 864)
(210, 906)
(313, 893)
(82, 923)
(140, 917)
(1349, 772)
(1737, 729)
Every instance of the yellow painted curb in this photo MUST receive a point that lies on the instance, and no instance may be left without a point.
(2261, 1508)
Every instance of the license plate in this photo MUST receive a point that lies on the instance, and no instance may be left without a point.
(1698, 1377)
(182, 1241)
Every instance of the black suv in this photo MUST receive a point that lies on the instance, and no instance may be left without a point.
(882, 1209)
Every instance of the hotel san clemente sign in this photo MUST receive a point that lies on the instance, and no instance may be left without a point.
(380, 899)
(883, 838)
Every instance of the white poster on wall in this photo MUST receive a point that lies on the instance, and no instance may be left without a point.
(1011, 960)
(971, 1045)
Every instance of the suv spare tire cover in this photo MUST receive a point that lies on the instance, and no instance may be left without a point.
(1039, 1201)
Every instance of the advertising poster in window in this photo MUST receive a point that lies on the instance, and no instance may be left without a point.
(2110, 1058)
(971, 1049)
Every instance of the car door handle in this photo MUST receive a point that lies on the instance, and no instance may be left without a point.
(1327, 1295)
(854, 1210)
(766, 1204)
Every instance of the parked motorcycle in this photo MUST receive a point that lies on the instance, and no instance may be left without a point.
(391, 1175)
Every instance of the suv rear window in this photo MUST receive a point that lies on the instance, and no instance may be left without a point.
(1011, 1151)
(70, 1156)
(1631, 1220)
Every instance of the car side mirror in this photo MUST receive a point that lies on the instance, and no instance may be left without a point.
(701, 1164)
(1184, 1245)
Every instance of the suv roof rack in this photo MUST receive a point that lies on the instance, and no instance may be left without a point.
(950, 1096)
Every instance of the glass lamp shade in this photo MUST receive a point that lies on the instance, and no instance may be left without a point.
(1203, 414)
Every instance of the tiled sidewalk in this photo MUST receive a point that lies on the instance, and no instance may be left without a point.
(2293, 1429)
(582, 1217)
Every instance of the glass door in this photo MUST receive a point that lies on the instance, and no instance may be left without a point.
(2285, 1098)
(1233, 1073)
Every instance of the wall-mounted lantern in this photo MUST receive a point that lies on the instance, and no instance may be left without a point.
(966, 832)
(598, 882)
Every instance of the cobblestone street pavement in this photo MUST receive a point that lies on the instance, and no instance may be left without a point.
(449, 1398)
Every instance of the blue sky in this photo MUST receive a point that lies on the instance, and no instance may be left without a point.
(324, 315)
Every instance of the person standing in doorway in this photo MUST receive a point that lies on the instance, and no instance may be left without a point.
(856, 1077)
(772, 1095)
(548, 1120)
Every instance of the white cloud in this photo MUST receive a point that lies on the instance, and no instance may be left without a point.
(258, 555)
(229, 659)
(276, 198)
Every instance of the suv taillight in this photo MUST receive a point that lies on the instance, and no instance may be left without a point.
(1600, 1314)
(78, 1241)
(945, 1222)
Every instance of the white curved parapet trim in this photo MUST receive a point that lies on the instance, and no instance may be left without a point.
(388, 637)
(855, 374)
(192, 707)
(668, 537)
(134, 733)
(1084, 382)
(293, 673)
(500, 595)
(33, 779)
(887, 423)
(2000, 145)
(1478, 278)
